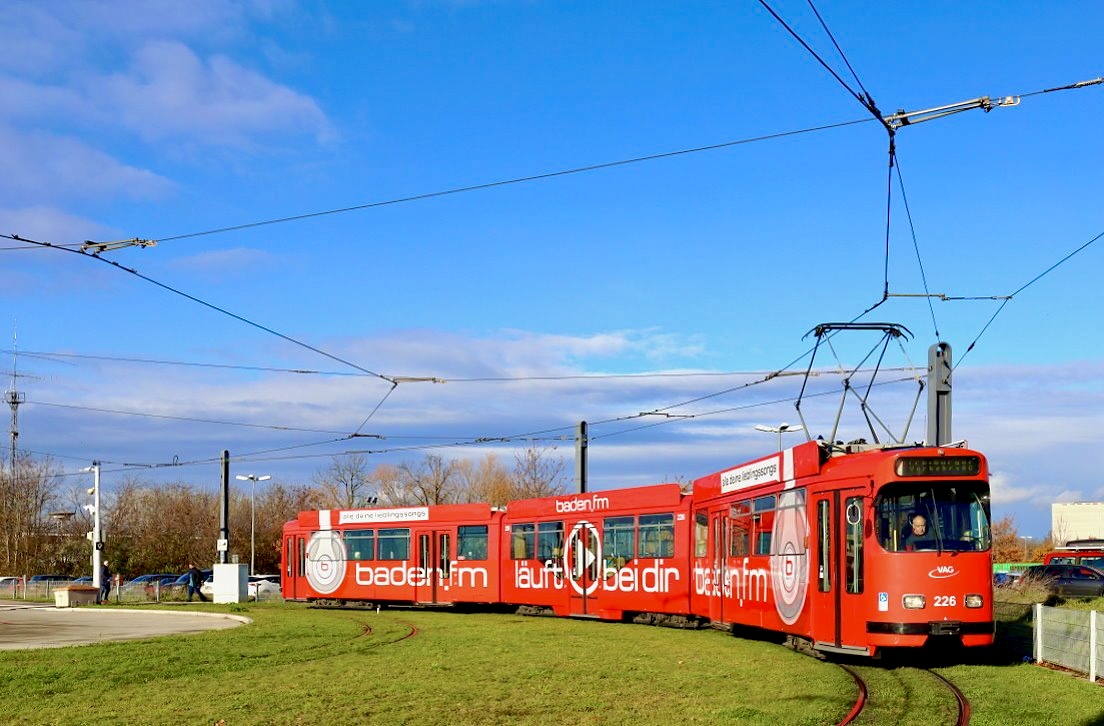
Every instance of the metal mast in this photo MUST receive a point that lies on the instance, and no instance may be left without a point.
(14, 398)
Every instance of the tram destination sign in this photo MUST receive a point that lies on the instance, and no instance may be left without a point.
(938, 466)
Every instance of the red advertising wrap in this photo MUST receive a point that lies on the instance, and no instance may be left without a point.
(843, 549)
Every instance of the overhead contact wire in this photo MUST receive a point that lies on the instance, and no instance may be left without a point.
(517, 180)
(916, 247)
(1023, 287)
(212, 306)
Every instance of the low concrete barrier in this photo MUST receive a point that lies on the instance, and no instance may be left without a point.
(74, 595)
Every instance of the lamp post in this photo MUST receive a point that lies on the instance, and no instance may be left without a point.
(1025, 538)
(96, 533)
(253, 478)
(780, 429)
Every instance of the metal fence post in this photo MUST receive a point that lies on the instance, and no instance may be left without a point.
(1038, 632)
(1094, 645)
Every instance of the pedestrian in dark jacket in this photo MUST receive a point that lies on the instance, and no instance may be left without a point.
(105, 582)
(195, 580)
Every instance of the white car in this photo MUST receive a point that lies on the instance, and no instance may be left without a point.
(264, 587)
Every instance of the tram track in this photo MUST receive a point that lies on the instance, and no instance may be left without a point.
(888, 695)
(368, 631)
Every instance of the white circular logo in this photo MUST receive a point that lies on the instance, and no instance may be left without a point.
(326, 561)
(583, 553)
(789, 562)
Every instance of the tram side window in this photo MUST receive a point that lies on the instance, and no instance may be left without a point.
(854, 544)
(824, 539)
(394, 544)
(361, 544)
(657, 535)
(522, 541)
(763, 517)
(701, 534)
(471, 541)
(549, 540)
(617, 539)
(739, 538)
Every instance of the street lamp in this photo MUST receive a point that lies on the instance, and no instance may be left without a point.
(96, 533)
(780, 429)
(252, 515)
(1025, 538)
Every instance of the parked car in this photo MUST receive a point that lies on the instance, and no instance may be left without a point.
(179, 585)
(8, 583)
(1067, 580)
(147, 585)
(267, 586)
(263, 587)
(86, 580)
(50, 578)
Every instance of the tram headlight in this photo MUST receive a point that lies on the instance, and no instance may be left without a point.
(913, 602)
(974, 601)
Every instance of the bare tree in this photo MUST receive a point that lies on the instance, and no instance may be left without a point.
(537, 475)
(433, 480)
(391, 485)
(277, 505)
(160, 528)
(346, 482)
(430, 481)
(484, 481)
(27, 494)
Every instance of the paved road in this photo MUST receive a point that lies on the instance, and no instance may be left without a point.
(39, 625)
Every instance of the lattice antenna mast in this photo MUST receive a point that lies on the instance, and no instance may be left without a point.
(14, 397)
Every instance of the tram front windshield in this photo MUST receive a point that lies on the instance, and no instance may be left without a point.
(948, 516)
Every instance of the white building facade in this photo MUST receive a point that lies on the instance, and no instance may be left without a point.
(1076, 520)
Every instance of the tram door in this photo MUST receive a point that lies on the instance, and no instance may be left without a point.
(838, 603)
(718, 540)
(583, 558)
(433, 576)
(295, 556)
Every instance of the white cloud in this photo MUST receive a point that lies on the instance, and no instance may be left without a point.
(58, 167)
(170, 92)
(49, 224)
(1025, 479)
(218, 262)
(132, 65)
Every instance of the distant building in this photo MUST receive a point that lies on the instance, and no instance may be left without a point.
(1076, 520)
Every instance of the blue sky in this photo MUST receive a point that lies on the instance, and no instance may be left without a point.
(162, 120)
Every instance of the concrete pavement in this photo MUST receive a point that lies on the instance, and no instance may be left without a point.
(40, 625)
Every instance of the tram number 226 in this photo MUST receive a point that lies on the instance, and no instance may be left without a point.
(944, 601)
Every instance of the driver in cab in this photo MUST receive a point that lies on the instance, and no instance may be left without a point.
(917, 536)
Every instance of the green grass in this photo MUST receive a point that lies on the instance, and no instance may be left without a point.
(299, 666)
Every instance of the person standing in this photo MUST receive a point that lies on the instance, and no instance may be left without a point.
(105, 581)
(195, 581)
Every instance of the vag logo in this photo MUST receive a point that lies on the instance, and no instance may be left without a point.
(943, 571)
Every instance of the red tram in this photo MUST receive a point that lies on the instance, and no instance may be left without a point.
(819, 547)
(612, 555)
(813, 542)
(438, 555)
